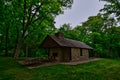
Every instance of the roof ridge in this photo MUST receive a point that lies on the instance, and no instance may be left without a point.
(55, 40)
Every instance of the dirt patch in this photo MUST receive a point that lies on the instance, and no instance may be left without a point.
(35, 63)
(80, 62)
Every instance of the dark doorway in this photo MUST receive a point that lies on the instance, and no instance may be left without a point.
(55, 55)
(70, 54)
(81, 53)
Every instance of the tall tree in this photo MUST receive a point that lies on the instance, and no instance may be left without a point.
(5, 24)
(112, 7)
(94, 26)
(30, 13)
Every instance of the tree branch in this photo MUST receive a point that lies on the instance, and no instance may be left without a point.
(40, 16)
(29, 16)
(34, 29)
(37, 9)
(24, 11)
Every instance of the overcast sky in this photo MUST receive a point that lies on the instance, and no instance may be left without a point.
(80, 11)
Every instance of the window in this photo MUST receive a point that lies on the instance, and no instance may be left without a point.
(81, 54)
(55, 54)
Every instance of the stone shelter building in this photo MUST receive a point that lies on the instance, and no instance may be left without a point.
(64, 50)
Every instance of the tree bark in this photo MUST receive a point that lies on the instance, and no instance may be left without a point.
(27, 47)
(17, 49)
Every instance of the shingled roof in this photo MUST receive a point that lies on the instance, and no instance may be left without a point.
(70, 43)
(64, 42)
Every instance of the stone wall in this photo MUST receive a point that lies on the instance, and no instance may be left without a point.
(75, 53)
(68, 54)
(55, 54)
(62, 54)
(85, 55)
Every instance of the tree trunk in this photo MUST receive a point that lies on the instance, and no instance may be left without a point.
(17, 49)
(27, 47)
(110, 52)
(17, 38)
(6, 39)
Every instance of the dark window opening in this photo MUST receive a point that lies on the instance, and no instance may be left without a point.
(70, 54)
(55, 55)
(81, 54)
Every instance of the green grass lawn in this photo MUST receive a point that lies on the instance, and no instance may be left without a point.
(104, 69)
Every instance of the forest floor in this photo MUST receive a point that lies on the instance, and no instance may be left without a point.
(103, 69)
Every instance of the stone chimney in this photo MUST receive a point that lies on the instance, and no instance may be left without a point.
(59, 35)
